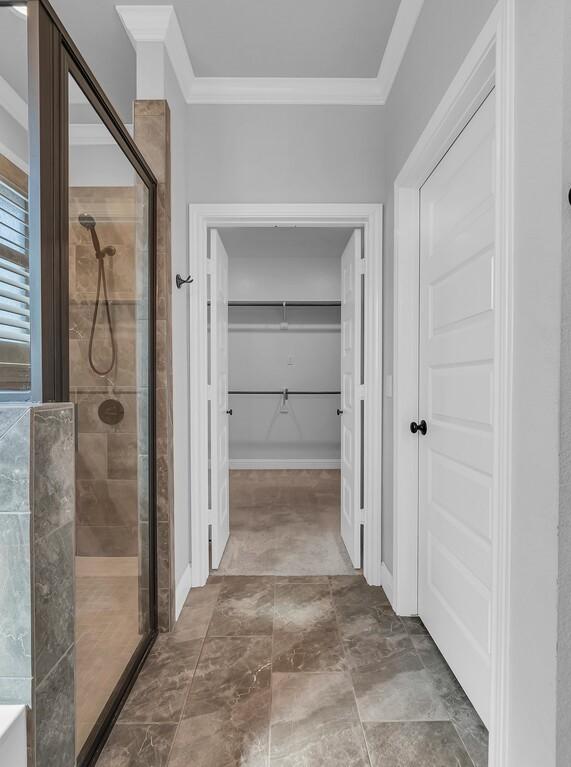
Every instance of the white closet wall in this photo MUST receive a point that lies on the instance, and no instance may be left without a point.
(290, 265)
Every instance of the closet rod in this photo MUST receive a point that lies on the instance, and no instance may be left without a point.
(284, 303)
(284, 392)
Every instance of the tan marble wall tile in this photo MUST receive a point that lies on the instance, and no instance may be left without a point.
(110, 505)
(152, 134)
(122, 456)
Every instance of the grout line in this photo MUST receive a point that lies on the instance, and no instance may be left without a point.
(145, 723)
(271, 678)
(348, 672)
(187, 696)
(446, 706)
(407, 721)
(240, 636)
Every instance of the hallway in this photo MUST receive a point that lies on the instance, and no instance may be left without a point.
(292, 671)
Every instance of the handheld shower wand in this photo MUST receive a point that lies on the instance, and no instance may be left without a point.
(88, 222)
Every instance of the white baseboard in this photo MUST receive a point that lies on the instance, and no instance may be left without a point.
(182, 589)
(387, 583)
(284, 463)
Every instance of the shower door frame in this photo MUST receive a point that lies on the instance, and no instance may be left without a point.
(52, 58)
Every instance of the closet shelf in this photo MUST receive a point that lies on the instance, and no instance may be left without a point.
(283, 304)
(283, 392)
(298, 327)
(286, 322)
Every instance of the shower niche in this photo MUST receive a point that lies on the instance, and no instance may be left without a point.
(110, 371)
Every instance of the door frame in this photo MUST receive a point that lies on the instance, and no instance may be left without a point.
(203, 217)
(489, 63)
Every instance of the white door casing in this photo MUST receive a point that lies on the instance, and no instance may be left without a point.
(219, 445)
(457, 368)
(350, 397)
(202, 219)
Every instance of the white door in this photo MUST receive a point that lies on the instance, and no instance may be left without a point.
(350, 397)
(456, 396)
(220, 496)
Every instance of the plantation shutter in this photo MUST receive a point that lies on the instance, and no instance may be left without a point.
(14, 289)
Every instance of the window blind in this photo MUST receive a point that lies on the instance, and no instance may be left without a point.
(14, 289)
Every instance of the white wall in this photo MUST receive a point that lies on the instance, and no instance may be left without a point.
(443, 36)
(539, 202)
(276, 265)
(285, 154)
(564, 605)
(180, 320)
(444, 33)
(537, 306)
(99, 165)
(13, 140)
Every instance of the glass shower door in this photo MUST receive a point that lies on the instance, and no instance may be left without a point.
(110, 381)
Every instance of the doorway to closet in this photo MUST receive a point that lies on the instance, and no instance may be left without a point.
(285, 400)
(284, 312)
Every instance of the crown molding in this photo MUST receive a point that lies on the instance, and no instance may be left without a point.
(159, 24)
(12, 103)
(146, 23)
(403, 27)
(80, 134)
(286, 90)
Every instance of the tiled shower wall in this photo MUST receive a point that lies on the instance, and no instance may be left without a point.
(107, 495)
(152, 135)
(37, 643)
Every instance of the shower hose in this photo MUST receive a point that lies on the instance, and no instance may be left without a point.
(102, 283)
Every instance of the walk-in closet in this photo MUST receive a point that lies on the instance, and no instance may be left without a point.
(276, 362)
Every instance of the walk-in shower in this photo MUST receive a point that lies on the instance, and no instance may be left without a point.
(89, 223)
(78, 605)
(110, 374)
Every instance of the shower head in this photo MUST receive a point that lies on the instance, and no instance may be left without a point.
(87, 221)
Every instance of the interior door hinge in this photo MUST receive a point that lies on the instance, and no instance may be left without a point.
(363, 516)
(363, 266)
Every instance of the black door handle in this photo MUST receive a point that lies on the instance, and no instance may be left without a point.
(229, 412)
(339, 412)
(421, 427)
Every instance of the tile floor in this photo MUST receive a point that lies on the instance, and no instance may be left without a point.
(295, 672)
(285, 522)
(107, 632)
(277, 670)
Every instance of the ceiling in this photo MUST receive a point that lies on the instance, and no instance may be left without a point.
(298, 38)
(13, 51)
(332, 41)
(249, 38)
(97, 31)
